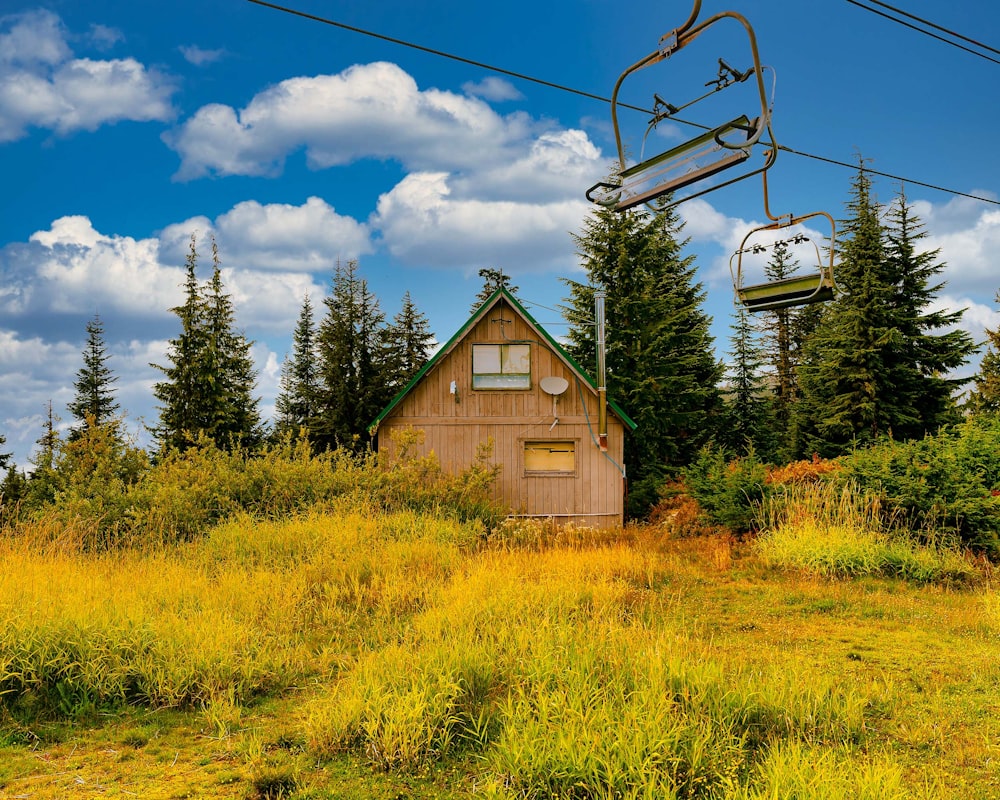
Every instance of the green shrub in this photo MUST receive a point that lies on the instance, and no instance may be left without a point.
(945, 483)
(87, 487)
(729, 492)
(104, 494)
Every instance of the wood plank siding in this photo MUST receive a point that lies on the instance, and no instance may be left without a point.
(455, 425)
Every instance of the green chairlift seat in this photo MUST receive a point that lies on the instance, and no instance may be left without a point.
(799, 290)
(795, 290)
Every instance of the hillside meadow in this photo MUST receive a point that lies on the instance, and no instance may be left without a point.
(359, 651)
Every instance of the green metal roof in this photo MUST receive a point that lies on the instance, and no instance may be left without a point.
(492, 300)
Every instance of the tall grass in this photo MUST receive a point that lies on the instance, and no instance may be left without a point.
(841, 533)
(141, 629)
(570, 677)
(254, 608)
(541, 666)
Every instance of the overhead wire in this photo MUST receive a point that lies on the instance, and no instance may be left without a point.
(432, 51)
(600, 98)
(929, 24)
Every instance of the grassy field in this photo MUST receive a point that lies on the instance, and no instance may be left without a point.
(359, 654)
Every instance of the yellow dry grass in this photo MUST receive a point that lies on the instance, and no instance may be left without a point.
(293, 653)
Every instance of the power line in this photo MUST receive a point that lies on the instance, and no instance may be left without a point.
(441, 53)
(591, 96)
(785, 149)
(926, 32)
(930, 24)
(937, 27)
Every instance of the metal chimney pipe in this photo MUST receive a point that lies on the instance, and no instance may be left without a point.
(602, 381)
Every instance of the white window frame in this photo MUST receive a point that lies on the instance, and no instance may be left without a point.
(506, 360)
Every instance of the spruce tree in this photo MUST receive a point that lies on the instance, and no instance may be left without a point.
(493, 278)
(298, 396)
(876, 365)
(781, 341)
(930, 344)
(181, 394)
(353, 364)
(844, 376)
(985, 398)
(209, 383)
(94, 401)
(408, 340)
(12, 487)
(749, 424)
(44, 483)
(13, 490)
(659, 351)
(232, 408)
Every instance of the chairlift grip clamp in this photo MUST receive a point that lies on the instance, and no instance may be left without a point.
(667, 44)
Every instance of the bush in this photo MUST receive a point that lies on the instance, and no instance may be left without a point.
(729, 492)
(814, 470)
(105, 494)
(86, 490)
(946, 483)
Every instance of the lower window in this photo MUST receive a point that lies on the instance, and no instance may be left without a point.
(550, 456)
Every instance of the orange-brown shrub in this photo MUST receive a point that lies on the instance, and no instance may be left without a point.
(678, 513)
(806, 471)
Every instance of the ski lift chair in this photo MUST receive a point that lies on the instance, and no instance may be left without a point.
(796, 290)
(704, 156)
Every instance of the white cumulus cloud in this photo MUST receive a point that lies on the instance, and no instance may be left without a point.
(367, 111)
(77, 268)
(274, 237)
(43, 86)
(279, 236)
(422, 224)
(492, 88)
(969, 250)
(74, 270)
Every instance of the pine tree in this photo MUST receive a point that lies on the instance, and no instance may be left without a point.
(985, 398)
(298, 396)
(209, 384)
(352, 359)
(659, 352)
(234, 411)
(4, 457)
(926, 355)
(874, 366)
(408, 341)
(749, 421)
(493, 278)
(94, 402)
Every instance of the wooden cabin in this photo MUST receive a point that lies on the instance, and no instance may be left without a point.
(502, 378)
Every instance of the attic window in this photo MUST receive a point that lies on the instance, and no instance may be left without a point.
(501, 366)
(550, 457)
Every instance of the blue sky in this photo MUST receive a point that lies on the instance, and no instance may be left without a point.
(126, 127)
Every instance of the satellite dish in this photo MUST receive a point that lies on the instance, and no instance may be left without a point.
(554, 385)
